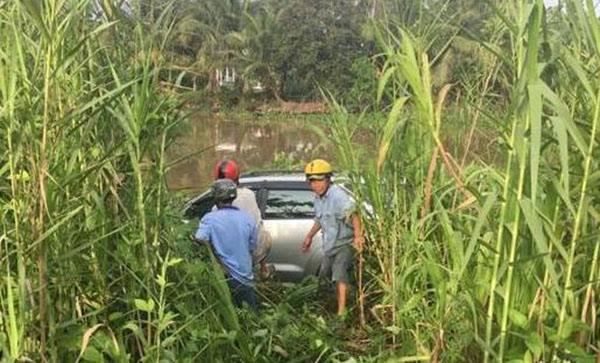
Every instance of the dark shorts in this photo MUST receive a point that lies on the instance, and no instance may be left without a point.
(242, 294)
(338, 266)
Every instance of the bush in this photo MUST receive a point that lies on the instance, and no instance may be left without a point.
(361, 95)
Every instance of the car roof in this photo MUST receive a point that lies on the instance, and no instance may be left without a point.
(273, 175)
(278, 179)
(274, 179)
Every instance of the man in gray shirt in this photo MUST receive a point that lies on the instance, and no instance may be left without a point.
(336, 217)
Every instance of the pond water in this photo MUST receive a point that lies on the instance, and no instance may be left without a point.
(255, 144)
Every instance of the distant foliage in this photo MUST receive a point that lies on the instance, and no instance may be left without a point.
(362, 91)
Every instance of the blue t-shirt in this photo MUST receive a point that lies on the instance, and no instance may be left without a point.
(333, 211)
(233, 235)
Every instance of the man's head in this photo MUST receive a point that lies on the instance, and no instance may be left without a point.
(224, 191)
(318, 173)
(227, 169)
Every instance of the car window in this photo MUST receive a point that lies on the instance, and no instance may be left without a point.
(204, 203)
(289, 204)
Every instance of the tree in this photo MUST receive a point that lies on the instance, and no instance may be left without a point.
(320, 41)
(200, 35)
(256, 46)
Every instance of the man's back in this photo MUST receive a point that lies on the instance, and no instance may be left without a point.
(246, 201)
(233, 234)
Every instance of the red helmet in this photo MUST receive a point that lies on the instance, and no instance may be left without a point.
(226, 169)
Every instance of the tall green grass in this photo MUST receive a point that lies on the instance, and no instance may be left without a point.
(86, 222)
(96, 264)
(468, 260)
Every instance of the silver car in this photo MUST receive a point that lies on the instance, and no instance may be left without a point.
(286, 204)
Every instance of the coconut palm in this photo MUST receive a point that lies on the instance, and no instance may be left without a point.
(200, 33)
(256, 50)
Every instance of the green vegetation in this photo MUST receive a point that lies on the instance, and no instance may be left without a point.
(290, 47)
(509, 255)
(473, 255)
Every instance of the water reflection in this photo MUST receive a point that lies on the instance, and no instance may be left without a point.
(255, 145)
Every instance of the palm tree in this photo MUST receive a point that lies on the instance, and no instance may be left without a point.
(255, 48)
(200, 43)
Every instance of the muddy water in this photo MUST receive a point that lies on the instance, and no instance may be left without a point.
(256, 145)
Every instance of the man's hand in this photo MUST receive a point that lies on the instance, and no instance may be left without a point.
(309, 236)
(359, 243)
(193, 238)
(306, 244)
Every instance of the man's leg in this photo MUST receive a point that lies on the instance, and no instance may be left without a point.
(248, 296)
(263, 249)
(341, 292)
(342, 263)
(241, 294)
(325, 277)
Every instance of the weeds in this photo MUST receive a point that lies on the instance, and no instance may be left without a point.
(466, 260)
(467, 245)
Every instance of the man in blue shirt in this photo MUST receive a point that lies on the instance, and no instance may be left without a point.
(246, 201)
(336, 217)
(232, 234)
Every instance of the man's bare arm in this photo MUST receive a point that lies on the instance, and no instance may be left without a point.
(310, 235)
(359, 239)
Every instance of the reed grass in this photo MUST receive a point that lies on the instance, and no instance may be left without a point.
(86, 220)
(512, 252)
(466, 260)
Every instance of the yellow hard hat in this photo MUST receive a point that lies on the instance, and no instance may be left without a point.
(317, 169)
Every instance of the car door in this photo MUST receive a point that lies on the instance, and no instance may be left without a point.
(288, 215)
(198, 206)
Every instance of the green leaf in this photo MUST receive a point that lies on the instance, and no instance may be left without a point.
(114, 316)
(34, 9)
(136, 330)
(260, 333)
(174, 261)
(393, 329)
(533, 40)
(564, 116)
(280, 351)
(535, 224)
(57, 225)
(560, 132)
(575, 353)
(571, 61)
(475, 237)
(168, 341)
(383, 82)
(143, 305)
(535, 116)
(92, 355)
(535, 343)
(518, 318)
(571, 326)
(160, 280)
(389, 131)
